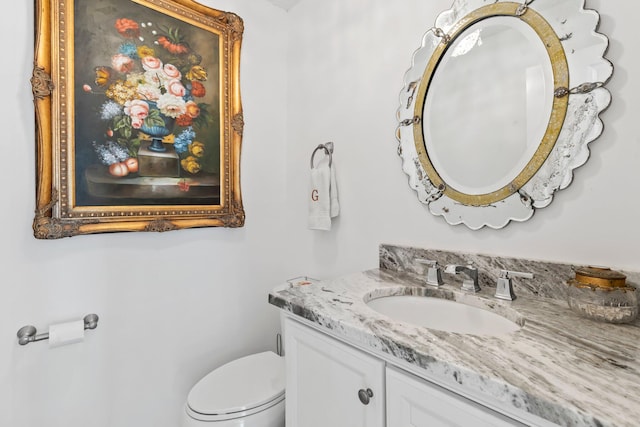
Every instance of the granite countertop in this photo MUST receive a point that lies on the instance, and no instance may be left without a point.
(561, 367)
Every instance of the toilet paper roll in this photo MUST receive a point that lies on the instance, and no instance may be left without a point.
(66, 333)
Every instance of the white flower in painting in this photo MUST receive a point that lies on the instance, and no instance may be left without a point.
(110, 110)
(171, 105)
(149, 92)
(155, 78)
(134, 79)
(110, 152)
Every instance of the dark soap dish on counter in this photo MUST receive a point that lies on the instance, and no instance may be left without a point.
(602, 294)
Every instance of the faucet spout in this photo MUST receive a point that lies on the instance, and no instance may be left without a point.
(470, 284)
(455, 268)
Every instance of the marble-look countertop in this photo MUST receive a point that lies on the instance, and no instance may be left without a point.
(561, 367)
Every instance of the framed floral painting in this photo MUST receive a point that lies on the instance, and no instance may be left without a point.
(138, 116)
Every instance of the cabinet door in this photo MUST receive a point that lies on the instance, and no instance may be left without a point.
(412, 402)
(325, 379)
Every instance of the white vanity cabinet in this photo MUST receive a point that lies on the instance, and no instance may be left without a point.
(330, 383)
(414, 402)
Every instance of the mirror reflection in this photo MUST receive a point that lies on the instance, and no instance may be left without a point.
(488, 105)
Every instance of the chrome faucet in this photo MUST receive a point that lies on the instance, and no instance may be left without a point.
(469, 285)
(504, 287)
(434, 276)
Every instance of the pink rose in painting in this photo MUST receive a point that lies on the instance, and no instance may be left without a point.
(172, 71)
(136, 109)
(151, 63)
(136, 123)
(175, 87)
(122, 63)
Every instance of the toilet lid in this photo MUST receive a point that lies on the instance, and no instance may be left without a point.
(240, 385)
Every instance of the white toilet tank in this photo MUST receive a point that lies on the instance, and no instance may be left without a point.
(246, 392)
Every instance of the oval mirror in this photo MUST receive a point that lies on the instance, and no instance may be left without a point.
(490, 123)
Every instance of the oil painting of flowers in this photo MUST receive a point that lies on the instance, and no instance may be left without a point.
(147, 107)
(138, 113)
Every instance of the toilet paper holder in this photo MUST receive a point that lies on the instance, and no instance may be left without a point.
(29, 333)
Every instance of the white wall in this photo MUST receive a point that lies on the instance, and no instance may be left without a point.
(172, 305)
(346, 65)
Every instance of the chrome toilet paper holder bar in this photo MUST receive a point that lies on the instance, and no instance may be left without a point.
(29, 333)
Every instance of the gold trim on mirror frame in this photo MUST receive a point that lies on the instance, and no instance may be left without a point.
(560, 69)
(54, 91)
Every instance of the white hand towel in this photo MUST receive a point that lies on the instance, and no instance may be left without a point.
(333, 193)
(323, 193)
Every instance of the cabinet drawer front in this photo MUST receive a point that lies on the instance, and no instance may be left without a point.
(330, 383)
(417, 403)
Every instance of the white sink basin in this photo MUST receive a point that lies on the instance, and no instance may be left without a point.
(443, 315)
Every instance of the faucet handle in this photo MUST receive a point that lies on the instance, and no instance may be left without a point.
(434, 276)
(504, 287)
(506, 274)
(429, 262)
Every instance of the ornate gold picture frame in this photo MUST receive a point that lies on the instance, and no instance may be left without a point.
(138, 116)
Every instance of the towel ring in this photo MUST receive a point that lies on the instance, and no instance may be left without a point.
(328, 149)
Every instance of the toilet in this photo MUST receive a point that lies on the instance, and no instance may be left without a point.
(246, 392)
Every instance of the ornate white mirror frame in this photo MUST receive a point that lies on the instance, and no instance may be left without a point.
(576, 72)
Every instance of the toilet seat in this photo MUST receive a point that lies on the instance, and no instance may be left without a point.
(238, 389)
(235, 415)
